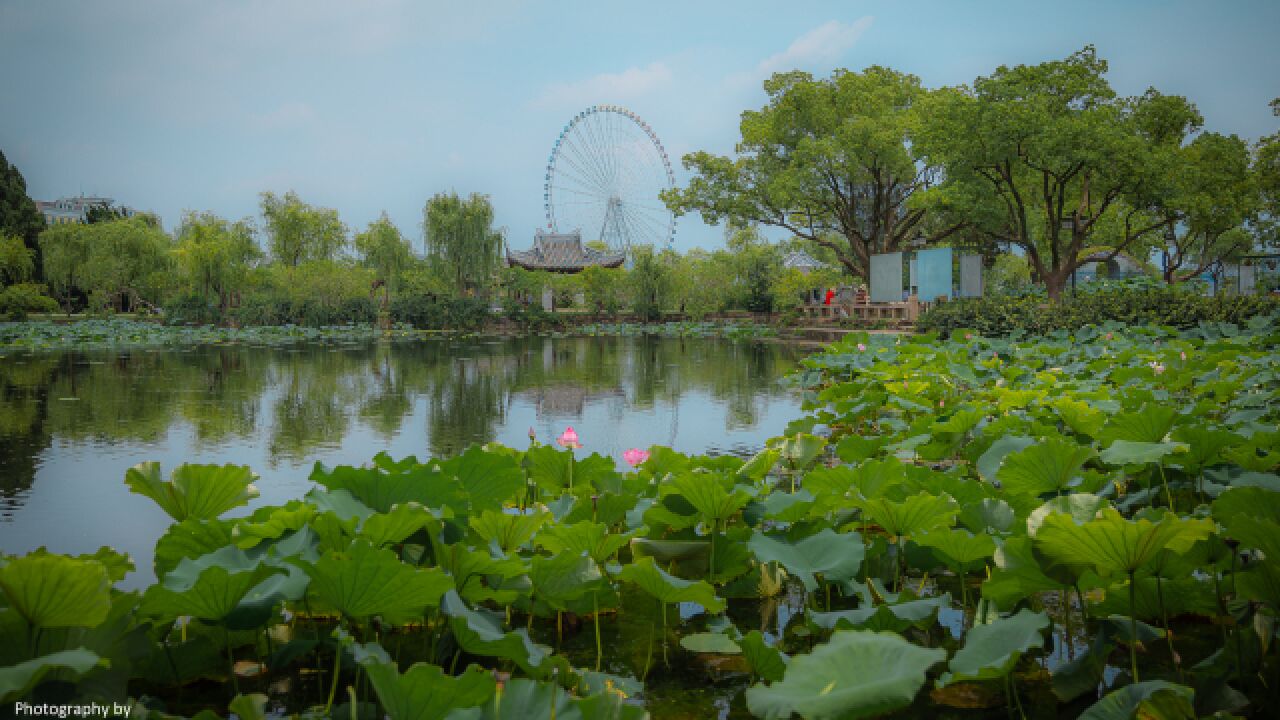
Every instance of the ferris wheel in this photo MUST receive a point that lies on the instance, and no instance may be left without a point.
(603, 179)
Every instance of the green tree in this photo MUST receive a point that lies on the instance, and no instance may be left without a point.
(297, 232)
(383, 249)
(1041, 156)
(829, 161)
(215, 255)
(650, 283)
(17, 263)
(603, 289)
(1213, 195)
(1266, 169)
(18, 212)
(65, 250)
(461, 240)
(125, 263)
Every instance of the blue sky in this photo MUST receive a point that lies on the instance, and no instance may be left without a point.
(377, 105)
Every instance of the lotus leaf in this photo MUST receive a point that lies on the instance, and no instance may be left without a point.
(52, 591)
(765, 660)
(835, 556)
(425, 692)
(802, 449)
(895, 616)
(481, 632)
(916, 514)
(710, 642)
(1127, 452)
(990, 461)
(1114, 546)
(270, 523)
(591, 538)
(1154, 699)
(857, 674)
(1047, 466)
(249, 707)
(564, 577)
(1148, 425)
(707, 494)
(489, 479)
(959, 549)
(364, 581)
(991, 651)
(18, 680)
(1017, 574)
(210, 587)
(668, 588)
(759, 465)
(1082, 507)
(988, 515)
(395, 526)
(506, 531)
(194, 491)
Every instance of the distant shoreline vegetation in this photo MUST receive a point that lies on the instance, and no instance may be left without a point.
(97, 333)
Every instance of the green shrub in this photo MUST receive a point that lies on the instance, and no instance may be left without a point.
(20, 299)
(1174, 306)
(191, 310)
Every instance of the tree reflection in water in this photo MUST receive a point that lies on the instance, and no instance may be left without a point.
(297, 401)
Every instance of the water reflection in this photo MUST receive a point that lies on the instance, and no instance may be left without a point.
(71, 423)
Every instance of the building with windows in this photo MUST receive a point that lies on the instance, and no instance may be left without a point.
(76, 209)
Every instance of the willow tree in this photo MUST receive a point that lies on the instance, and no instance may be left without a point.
(383, 249)
(462, 243)
(298, 232)
(215, 254)
(1044, 157)
(827, 160)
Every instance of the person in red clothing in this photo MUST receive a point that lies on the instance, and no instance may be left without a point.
(831, 293)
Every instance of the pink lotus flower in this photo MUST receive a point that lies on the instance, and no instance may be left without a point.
(1109, 336)
(1183, 355)
(635, 456)
(968, 336)
(1157, 367)
(569, 438)
(862, 348)
(942, 403)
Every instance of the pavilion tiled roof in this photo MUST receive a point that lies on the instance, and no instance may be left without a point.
(562, 252)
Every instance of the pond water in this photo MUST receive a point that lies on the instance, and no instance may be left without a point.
(72, 423)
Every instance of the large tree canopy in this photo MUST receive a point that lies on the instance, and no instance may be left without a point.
(1212, 195)
(828, 160)
(116, 264)
(383, 249)
(297, 232)
(1045, 157)
(1266, 164)
(461, 240)
(18, 213)
(216, 255)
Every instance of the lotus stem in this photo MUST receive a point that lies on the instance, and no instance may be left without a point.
(351, 693)
(595, 616)
(648, 659)
(231, 662)
(711, 562)
(1066, 612)
(1133, 628)
(665, 660)
(333, 684)
(1167, 495)
(1164, 617)
(1013, 690)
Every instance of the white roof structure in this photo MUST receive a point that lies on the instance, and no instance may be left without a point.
(800, 260)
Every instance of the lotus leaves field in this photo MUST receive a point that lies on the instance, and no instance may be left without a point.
(91, 333)
(1065, 526)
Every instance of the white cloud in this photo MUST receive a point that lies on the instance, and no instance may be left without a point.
(605, 88)
(821, 47)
